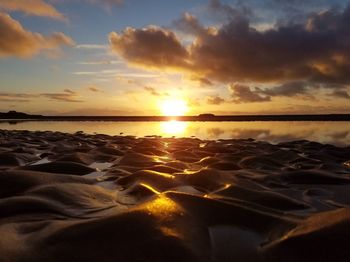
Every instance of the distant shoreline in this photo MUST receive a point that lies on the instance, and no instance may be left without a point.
(204, 118)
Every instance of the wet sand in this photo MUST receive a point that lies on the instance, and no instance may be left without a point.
(79, 197)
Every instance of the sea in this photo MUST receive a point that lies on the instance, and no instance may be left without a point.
(327, 132)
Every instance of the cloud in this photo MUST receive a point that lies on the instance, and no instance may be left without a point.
(315, 51)
(94, 89)
(13, 100)
(100, 62)
(241, 93)
(245, 94)
(69, 91)
(151, 46)
(215, 100)
(83, 73)
(154, 92)
(238, 52)
(15, 97)
(138, 75)
(66, 96)
(16, 41)
(287, 89)
(32, 7)
(91, 46)
(189, 24)
(340, 94)
(44, 9)
(291, 89)
(205, 81)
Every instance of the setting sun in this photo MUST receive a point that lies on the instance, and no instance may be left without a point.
(174, 107)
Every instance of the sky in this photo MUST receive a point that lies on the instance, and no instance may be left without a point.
(145, 57)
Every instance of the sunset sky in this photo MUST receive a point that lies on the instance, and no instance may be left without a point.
(126, 57)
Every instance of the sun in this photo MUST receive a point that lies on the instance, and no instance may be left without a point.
(174, 107)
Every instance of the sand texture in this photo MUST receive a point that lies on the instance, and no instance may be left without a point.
(78, 197)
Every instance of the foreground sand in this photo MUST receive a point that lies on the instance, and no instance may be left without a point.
(81, 197)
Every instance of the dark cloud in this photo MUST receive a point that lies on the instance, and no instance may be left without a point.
(316, 51)
(298, 52)
(189, 24)
(242, 93)
(215, 100)
(150, 46)
(290, 89)
(340, 94)
(16, 41)
(245, 94)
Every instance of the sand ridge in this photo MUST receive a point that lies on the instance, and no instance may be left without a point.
(79, 197)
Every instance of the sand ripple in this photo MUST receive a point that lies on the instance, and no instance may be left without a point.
(78, 197)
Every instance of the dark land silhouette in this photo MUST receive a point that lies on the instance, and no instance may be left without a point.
(201, 117)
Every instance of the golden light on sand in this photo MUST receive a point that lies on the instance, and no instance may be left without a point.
(174, 127)
(174, 107)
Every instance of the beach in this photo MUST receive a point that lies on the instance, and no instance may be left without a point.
(81, 197)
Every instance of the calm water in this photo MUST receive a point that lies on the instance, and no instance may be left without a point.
(337, 133)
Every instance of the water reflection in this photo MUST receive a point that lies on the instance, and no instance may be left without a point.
(325, 132)
(174, 128)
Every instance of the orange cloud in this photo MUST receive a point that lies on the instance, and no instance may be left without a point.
(32, 7)
(16, 41)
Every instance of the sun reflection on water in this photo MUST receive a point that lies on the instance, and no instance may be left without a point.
(336, 133)
(174, 127)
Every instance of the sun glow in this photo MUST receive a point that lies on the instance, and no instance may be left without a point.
(174, 107)
(174, 127)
